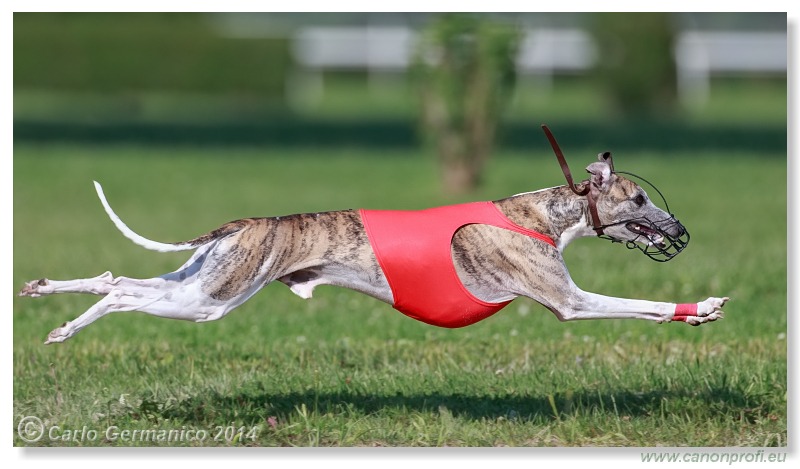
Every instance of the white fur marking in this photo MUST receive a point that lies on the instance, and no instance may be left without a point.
(130, 234)
(572, 233)
(305, 290)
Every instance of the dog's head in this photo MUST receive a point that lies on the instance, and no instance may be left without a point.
(628, 215)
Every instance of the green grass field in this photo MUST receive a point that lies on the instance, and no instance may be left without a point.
(343, 369)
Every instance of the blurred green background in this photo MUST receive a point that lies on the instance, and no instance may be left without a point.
(191, 120)
(341, 79)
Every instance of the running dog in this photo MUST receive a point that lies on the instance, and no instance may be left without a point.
(447, 266)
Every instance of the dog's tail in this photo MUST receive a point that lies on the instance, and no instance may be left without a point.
(166, 247)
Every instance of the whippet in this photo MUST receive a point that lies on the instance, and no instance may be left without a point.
(448, 266)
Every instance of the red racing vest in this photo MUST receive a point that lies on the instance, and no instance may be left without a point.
(413, 250)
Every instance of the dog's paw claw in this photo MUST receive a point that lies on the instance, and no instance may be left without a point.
(698, 320)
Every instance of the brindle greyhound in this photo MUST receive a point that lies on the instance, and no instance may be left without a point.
(494, 261)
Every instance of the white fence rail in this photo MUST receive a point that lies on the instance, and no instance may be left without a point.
(698, 55)
(545, 52)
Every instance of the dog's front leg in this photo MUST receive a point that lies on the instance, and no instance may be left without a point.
(558, 292)
(579, 304)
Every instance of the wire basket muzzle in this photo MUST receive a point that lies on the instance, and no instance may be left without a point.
(660, 240)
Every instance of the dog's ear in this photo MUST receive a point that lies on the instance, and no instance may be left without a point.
(605, 157)
(601, 174)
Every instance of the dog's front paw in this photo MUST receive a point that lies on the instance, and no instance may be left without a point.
(711, 306)
(707, 311)
(700, 313)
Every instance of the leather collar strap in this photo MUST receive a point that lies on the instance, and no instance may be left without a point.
(586, 188)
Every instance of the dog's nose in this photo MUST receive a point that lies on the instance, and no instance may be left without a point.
(672, 227)
(681, 230)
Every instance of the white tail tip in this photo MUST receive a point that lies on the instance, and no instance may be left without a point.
(130, 234)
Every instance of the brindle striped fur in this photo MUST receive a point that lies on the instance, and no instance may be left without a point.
(295, 249)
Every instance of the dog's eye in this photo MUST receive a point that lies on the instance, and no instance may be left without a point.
(639, 200)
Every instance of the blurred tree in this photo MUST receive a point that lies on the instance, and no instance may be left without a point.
(636, 65)
(465, 69)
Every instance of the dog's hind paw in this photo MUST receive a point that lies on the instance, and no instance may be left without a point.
(59, 334)
(33, 289)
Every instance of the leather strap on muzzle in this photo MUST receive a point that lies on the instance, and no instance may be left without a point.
(563, 162)
(598, 227)
(586, 188)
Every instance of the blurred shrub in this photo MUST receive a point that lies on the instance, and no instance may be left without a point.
(131, 52)
(636, 66)
(465, 70)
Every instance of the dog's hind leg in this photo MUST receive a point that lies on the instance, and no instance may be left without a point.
(174, 301)
(100, 285)
(105, 282)
(218, 278)
(176, 295)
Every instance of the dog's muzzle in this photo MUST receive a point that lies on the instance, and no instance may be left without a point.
(660, 240)
(653, 238)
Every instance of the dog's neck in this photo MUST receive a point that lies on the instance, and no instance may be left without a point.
(556, 212)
